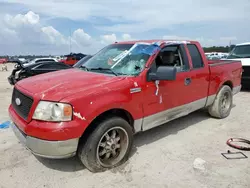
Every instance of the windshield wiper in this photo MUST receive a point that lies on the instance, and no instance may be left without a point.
(104, 69)
(236, 56)
(84, 67)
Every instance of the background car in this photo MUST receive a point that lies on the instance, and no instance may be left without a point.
(38, 60)
(22, 71)
(72, 58)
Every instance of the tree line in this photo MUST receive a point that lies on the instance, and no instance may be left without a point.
(225, 49)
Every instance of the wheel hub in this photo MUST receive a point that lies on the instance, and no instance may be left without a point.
(112, 146)
(225, 102)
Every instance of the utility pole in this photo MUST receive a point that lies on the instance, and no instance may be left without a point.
(229, 46)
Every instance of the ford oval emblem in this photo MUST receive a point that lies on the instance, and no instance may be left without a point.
(18, 102)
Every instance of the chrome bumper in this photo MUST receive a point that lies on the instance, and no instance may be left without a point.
(45, 148)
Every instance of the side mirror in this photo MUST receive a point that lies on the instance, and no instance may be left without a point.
(163, 73)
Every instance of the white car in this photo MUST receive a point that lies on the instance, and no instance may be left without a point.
(36, 60)
(241, 52)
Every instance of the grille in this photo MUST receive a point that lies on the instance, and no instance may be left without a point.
(246, 72)
(26, 102)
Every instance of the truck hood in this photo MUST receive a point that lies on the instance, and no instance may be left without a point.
(57, 85)
(244, 61)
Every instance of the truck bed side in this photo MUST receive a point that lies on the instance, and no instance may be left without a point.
(224, 72)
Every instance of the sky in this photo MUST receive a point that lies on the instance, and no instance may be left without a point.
(56, 27)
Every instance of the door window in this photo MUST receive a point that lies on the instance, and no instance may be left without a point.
(195, 56)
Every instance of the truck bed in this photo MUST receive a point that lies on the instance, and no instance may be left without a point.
(221, 62)
(223, 70)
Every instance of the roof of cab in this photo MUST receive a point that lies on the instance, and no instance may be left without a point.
(242, 44)
(152, 41)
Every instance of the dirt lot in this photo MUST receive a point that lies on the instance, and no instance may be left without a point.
(162, 157)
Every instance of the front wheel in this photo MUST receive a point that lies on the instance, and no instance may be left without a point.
(108, 146)
(222, 105)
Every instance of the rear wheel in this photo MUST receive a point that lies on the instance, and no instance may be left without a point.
(108, 146)
(222, 105)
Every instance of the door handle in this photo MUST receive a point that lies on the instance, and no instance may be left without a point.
(187, 81)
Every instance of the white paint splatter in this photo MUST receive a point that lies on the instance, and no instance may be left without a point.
(157, 87)
(77, 114)
(160, 99)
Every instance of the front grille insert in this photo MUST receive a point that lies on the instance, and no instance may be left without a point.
(21, 103)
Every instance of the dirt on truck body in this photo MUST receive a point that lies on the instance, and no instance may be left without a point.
(125, 88)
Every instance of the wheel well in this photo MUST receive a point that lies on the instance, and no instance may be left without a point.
(105, 115)
(228, 83)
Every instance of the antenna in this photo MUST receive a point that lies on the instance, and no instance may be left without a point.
(70, 41)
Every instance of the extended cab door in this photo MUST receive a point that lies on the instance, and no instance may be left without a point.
(199, 74)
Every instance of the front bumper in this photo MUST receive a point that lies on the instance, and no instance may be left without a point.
(45, 148)
(11, 80)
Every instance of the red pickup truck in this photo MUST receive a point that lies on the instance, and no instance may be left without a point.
(125, 88)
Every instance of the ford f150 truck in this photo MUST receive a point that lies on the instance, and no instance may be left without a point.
(125, 88)
(241, 52)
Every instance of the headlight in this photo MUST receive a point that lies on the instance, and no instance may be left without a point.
(53, 111)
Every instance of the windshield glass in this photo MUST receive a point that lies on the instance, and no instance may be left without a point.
(32, 61)
(121, 59)
(242, 51)
(82, 61)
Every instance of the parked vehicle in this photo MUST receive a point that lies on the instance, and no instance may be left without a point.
(22, 60)
(16, 61)
(213, 58)
(38, 60)
(215, 55)
(72, 58)
(125, 88)
(3, 60)
(20, 71)
(241, 52)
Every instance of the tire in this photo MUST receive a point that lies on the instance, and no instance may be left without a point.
(89, 150)
(222, 105)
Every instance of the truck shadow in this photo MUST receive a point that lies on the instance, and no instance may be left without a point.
(170, 128)
(144, 138)
(66, 165)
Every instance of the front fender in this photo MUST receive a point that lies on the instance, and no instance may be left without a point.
(87, 109)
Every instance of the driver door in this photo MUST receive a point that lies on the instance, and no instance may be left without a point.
(165, 100)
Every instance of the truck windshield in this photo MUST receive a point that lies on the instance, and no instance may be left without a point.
(121, 59)
(242, 51)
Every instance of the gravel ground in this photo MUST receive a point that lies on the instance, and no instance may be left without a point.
(162, 157)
